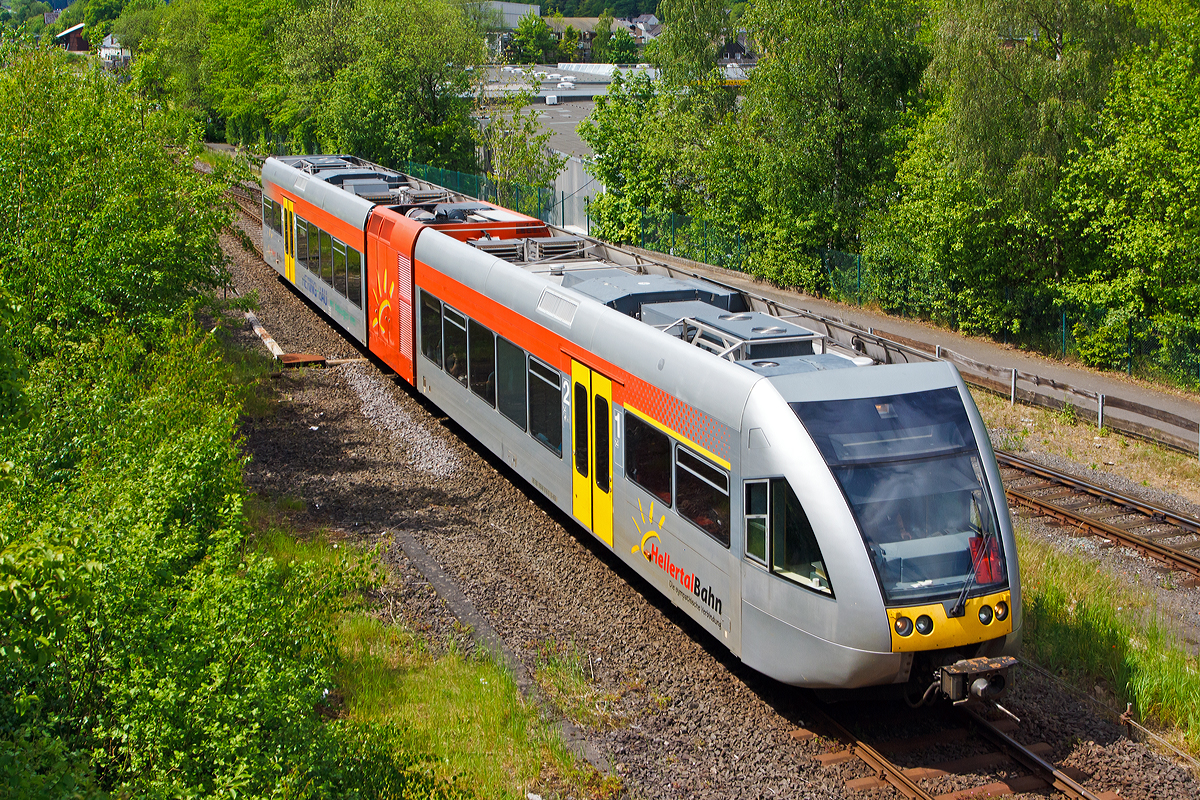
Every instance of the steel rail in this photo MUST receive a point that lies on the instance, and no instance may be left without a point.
(1190, 524)
(884, 769)
(1030, 760)
(1170, 556)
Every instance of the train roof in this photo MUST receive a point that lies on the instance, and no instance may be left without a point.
(350, 188)
(720, 323)
(704, 313)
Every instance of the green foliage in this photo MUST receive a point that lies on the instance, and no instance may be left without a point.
(1081, 624)
(85, 239)
(1135, 190)
(138, 23)
(517, 146)
(533, 42)
(602, 36)
(833, 81)
(384, 79)
(145, 649)
(692, 40)
(622, 49)
(568, 45)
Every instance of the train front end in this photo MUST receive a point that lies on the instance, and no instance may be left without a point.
(891, 522)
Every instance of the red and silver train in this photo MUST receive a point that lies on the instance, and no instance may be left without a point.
(833, 521)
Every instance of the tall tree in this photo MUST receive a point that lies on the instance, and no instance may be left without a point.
(695, 32)
(1018, 86)
(518, 149)
(533, 42)
(393, 85)
(833, 80)
(603, 35)
(1135, 189)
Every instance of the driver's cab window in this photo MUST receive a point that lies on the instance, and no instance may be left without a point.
(780, 536)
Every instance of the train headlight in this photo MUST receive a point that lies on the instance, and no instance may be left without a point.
(904, 626)
(985, 614)
(1002, 611)
(924, 625)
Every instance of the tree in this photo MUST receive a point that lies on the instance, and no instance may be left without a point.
(533, 42)
(568, 46)
(622, 49)
(692, 41)
(603, 35)
(1134, 189)
(387, 80)
(518, 147)
(1017, 87)
(138, 23)
(832, 82)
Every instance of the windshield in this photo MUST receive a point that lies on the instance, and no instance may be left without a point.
(910, 468)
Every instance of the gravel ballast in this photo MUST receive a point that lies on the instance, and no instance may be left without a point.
(683, 718)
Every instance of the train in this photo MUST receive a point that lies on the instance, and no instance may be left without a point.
(833, 516)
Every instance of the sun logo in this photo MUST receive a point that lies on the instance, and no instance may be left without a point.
(647, 528)
(382, 293)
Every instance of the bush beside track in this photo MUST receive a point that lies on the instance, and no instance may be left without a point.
(147, 646)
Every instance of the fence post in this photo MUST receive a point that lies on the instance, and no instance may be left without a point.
(937, 351)
(1064, 334)
(1129, 348)
(643, 215)
(705, 229)
(562, 209)
(858, 288)
(1012, 400)
(1100, 412)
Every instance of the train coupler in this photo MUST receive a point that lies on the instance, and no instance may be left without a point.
(976, 678)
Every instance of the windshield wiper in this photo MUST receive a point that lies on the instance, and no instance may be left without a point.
(959, 609)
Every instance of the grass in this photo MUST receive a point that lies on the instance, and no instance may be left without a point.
(1084, 625)
(569, 684)
(462, 707)
(1066, 434)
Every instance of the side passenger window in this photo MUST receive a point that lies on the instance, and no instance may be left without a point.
(431, 327)
(545, 405)
(648, 457)
(702, 494)
(354, 280)
(510, 381)
(454, 339)
(482, 361)
(301, 241)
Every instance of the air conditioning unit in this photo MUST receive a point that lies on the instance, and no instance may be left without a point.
(547, 247)
(512, 250)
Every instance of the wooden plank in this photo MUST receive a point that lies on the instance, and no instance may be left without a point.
(1025, 783)
(904, 340)
(977, 366)
(1152, 413)
(840, 757)
(1038, 380)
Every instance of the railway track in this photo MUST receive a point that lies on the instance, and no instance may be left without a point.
(1167, 537)
(1017, 768)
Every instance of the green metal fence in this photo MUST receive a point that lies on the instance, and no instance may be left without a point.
(536, 201)
(1154, 349)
